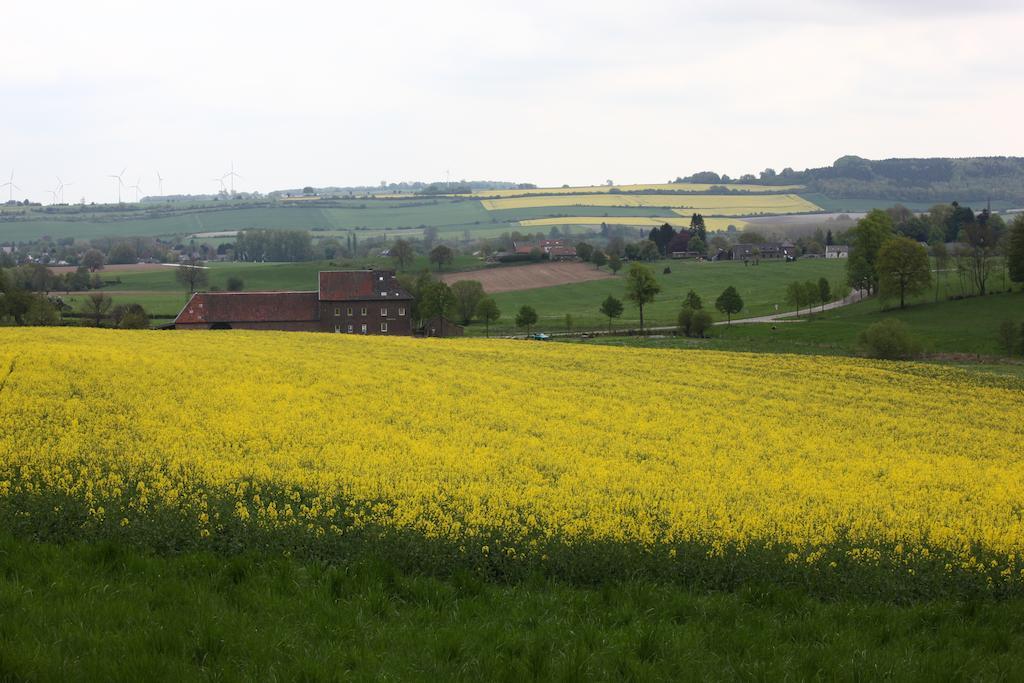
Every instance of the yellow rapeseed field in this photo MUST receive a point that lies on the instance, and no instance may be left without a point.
(710, 222)
(532, 452)
(715, 204)
(656, 187)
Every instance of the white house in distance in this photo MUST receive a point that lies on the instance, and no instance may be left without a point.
(837, 251)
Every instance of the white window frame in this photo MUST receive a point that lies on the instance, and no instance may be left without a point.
(384, 312)
(383, 327)
(401, 312)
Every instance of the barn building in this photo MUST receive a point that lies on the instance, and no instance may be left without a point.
(347, 301)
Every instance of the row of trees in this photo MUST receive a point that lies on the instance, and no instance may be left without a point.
(894, 266)
(403, 254)
(25, 307)
(668, 240)
(808, 294)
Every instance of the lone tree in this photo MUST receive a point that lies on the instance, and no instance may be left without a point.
(1015, 251)
(97, 306)
(614, 263)
(94, 260)
(598, 258)
(813, 295)
(941, 256)
(468, 295)
(192, 274)
(796, 296)
(527, 317)
(867, 238)
(693, 301)
(824, 292)
(612, 308)
(436, 300)
(402, 253)
(584, 251)
(903, 269)
(441, 255)
(641, 288)
(487, 310)
(729, 302)
(134, 318)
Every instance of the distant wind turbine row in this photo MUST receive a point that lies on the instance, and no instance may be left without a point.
(58, 192)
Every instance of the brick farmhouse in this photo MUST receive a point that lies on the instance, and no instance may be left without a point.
(348, 301)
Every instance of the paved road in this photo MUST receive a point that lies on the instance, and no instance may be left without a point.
(787, 317)
(791, 316)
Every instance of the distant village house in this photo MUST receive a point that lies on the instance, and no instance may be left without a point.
(768, 250)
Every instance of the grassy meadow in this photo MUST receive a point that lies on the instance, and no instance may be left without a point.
(760, 286)
(948, 328)
(112, 612)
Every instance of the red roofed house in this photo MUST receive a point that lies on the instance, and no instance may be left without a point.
(349, 301)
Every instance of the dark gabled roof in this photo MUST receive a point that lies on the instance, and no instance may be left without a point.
(360, 285)
(245, 307)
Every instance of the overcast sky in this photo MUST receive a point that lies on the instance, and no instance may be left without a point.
(333, 93)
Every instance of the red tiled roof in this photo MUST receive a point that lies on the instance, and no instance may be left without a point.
(238, 307)
(360, 285)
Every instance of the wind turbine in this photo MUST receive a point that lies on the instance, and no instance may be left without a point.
(221, 181)
(137, 189)
(120, 182)
(231, 174)
(53, 193)
(12, 187)
(60, 188)
(160, 183)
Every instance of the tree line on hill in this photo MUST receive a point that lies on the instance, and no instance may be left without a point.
(919, 180)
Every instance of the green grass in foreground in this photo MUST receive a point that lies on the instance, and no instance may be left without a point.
(106, 612)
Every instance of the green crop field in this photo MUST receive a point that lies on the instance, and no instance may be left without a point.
(447, 214)
(760, 286)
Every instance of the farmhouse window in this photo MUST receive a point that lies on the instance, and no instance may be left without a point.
(383, 311)
(350, 329)
(363, 312)
(364, 328)
(337, 311)
(383, 327)
(401, 311)
(350, 310)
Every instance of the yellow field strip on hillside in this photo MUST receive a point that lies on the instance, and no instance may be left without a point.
(663, 187)
(711, 223)
(512, 452)
(723, 205)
